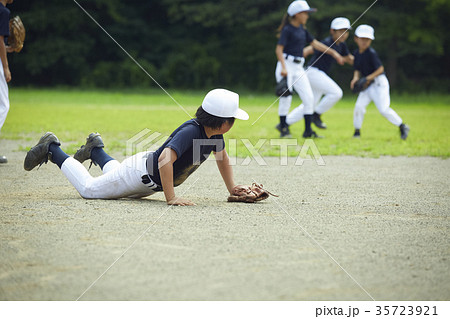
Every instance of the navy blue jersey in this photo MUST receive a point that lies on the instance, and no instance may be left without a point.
(366, 62)
(192, 146)
(4, 21)
(325, 62)
(294, 39)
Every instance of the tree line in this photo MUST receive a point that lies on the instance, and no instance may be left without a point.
(198, 44)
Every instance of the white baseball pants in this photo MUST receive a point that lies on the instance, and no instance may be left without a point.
(378, 92)
(118, 180)
(297, 79)
(4, 98)
(321, 85)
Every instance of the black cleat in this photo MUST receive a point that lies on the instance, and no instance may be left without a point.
(318, 122)
(311, 134)
(404, 131)
(84, 152)
(357, 134)
(3, 159)
(39, 154)
(284, 131)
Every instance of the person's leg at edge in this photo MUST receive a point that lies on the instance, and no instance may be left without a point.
(4, 105)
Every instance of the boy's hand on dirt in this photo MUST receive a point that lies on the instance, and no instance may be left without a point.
(178, 201)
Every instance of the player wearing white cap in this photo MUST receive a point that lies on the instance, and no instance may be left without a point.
(145, 173)
(367, 64)
(293, 39)
(325, 90)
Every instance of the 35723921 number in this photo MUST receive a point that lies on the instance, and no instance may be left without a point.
(406, 311)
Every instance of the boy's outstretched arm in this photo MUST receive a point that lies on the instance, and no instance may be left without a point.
(225, 169)
(319, 46)
(308, 51)
(165, 166)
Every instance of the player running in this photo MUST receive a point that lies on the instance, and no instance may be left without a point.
(326, 91)
(367, 64)
(148, 172)
(289, 51)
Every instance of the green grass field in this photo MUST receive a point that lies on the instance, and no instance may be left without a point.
(72, 114)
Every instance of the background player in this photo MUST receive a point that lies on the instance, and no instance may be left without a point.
(5, 74)
(289, 51)
(148, 172)
(367, 64)
(319, 66)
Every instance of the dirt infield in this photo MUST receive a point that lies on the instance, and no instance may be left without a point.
(353, 229)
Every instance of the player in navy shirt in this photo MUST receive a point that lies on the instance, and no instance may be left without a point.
(145, 173)
(5, 73)
(367, 64)
(326, 91)
(289, 51)
(180, 141)
(324, 62)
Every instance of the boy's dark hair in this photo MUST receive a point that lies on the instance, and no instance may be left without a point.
(211, 121)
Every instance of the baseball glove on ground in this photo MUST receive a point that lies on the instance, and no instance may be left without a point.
(361, 85)
(249, 194)
(282, 88)
(16, 34)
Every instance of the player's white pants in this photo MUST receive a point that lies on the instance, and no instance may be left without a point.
(321, 84)
(118, 180)
(297, 79)
(378, 92)
(4, 99)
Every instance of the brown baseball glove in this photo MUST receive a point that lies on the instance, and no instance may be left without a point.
(249, 194)
(16, 34)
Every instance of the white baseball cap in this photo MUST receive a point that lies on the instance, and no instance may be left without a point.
(223, 103)
(365, 31)
(299, 6)
(340, 23)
